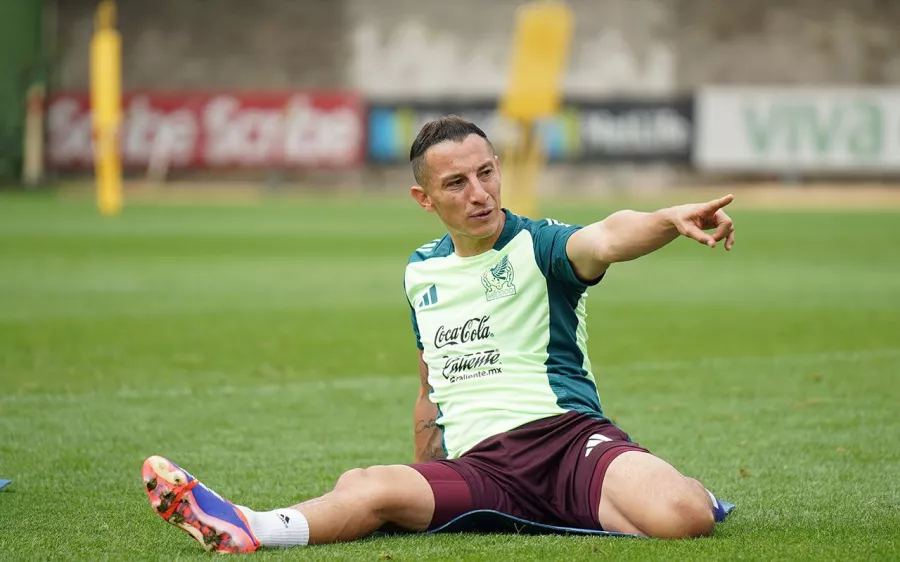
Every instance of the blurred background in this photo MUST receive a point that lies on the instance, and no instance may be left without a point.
(321, 94)
(245, 313)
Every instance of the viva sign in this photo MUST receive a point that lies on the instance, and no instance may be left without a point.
(798, 130)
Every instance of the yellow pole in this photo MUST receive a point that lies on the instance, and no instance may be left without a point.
(106, 108)
(539, 59)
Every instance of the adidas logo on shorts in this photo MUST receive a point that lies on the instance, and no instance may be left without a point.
(593, 441)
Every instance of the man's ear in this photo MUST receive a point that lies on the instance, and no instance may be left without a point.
(422, 198)
(497, 165)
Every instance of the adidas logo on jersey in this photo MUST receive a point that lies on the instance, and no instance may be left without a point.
(429, 298)
(593, 441)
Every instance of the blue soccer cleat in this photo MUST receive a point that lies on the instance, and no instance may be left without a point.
(720, 509)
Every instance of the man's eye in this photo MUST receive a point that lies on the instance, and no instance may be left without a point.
(486, 173)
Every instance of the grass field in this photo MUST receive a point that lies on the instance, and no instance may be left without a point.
(267, 348)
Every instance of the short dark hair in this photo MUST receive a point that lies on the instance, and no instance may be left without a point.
(447, 128)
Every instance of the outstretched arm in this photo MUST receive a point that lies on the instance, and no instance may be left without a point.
(428, 435)
(628, 235)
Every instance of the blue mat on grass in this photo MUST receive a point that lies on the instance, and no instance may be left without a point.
(489, 521)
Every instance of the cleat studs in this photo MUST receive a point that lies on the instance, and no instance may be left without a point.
(211, 539)
(151, 484)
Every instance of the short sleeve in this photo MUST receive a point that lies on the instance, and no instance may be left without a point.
(550, 238)
(412, 316)
(415, 326)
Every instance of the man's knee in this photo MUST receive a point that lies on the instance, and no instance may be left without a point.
(350, 479)
(372, 480)
(646, 495)
(393, 493)
(375, 484)
(685, 513)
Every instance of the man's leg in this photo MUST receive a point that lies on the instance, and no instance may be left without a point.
(365, 499)
(362, 501)
(644, 495)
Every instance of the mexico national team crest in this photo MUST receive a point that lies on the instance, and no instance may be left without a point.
(498, 280)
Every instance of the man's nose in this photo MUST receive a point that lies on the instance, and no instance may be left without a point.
(477, 192)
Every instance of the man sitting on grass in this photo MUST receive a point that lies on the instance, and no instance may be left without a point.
(508, 417)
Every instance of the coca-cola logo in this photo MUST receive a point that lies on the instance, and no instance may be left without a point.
(473, 329)
(460, 367)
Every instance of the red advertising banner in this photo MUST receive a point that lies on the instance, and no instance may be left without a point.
(302, 130)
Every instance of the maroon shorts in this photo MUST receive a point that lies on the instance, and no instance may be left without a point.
(549, 471)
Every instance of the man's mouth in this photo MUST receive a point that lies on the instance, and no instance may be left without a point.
(481, 214)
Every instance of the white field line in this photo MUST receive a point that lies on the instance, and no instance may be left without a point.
(364, 382)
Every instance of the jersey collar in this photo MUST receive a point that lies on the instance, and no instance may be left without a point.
(510, 228)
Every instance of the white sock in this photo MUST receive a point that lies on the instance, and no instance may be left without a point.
(277, 528)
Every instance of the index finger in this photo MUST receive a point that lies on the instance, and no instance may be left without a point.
(717, 204)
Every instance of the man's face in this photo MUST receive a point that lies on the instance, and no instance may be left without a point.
(463, 186)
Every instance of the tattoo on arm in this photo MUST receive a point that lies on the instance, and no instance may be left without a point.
(431, 446)
(424, 425)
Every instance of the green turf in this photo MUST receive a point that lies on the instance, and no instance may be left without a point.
(267, 348)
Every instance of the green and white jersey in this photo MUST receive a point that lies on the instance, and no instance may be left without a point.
(503, 333)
